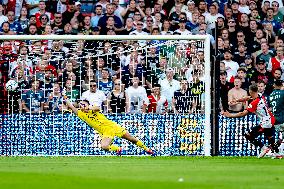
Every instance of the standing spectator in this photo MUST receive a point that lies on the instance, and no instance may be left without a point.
(261, 73)
(23, 19)
(277, 61)
(231, 66)
(265, 54)
(262, 89)
(44, 20)
(103, 4)
(129, 27)
(42, 11)
(98, 14)
(32, 6)
(109, 12)
(212, 16)
(116, 99)
(105, 84)
(237, 93)
(95, 96)
(3, 18)
(225, 86)
(57, 26)
(55, 100)
(182, 30)
(183, 101)
(131, 70)
(14, 25)
(157, 103)
(33, 99)
(136, 97)
(72, 92)
(169, 85)
(241, 74)
(131, 9)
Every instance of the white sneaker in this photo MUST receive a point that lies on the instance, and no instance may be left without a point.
(264, 150)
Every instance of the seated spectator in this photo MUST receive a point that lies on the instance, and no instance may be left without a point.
(72, 92)
(157, 103)
(131, 70)
(169, 85)
(54, 103)
(136, 97)
(95, 96)
(57, 26)
(116, 99)
(183, 101)
(129, 27)
(33, 99)
(234, 94)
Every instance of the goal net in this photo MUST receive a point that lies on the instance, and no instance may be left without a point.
(157, 87)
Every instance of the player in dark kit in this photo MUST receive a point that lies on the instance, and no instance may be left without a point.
(276, 100)
(267, 120)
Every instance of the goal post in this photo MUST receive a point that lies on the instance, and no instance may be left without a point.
(207, 64)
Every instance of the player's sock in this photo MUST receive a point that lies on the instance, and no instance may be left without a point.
(141, 145)
(113, 148)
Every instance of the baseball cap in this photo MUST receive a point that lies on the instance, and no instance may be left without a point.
(248, 57)
(190, 2)
(234, 2)
(77, 3)
(169, 69)
(228, 50)
(95, 29)
(260, 61)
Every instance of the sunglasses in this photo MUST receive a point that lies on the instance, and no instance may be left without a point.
(117, 84)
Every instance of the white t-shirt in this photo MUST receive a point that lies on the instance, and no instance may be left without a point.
(185, 32)
(168, 89)
(3, 19)
(231, 68)
(244, 9)
(211, 19)
(96, 98)
(137, 98)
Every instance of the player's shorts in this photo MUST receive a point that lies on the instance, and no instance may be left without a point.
(279, 127)
(113, 130)
(258, 130)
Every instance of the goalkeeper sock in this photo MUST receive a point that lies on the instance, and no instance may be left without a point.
(113, 148)
(141, 145)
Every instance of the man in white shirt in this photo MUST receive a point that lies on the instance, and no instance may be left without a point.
(212, 16)
(230, 65)
(95, 96)
(182, 30)
(169, 85)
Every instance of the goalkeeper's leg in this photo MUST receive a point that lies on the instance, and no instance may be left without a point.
(138, 142)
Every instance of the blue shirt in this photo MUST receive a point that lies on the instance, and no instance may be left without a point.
(106, 87)
(33, 100)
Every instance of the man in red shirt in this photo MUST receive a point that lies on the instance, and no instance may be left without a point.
(267, 120)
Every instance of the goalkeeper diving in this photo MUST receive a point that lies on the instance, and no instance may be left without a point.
(106, 128)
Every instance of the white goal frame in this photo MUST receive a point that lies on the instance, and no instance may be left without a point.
(205, 38)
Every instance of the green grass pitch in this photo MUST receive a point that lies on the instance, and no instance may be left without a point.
(141, 172)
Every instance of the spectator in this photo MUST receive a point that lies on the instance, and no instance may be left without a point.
(103, 4)
(116, 99)
(261, 73)
(72, 92)
(241, 74)
(42, 11)
(54, 103)
(33, 6)
(169, 85)
(14, 25)
(277, 61)
(212, 16)
(132, 70)
(23, 19)
(57, 26)
(33, 99)
(262, 89)
(97, 16)
(136, 97)
(236, 93)
(230, 65)
(105, 84)
(129, 27)
(3, 18)
(95, 96)
(109, 12)
(157, 103)
(225, 86)
(183, 101)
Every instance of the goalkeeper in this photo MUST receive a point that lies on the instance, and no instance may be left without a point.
(105, 127)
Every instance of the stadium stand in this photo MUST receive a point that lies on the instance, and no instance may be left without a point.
(137, 76)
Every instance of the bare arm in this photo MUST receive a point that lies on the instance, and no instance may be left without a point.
(70, 105)
(239, 114)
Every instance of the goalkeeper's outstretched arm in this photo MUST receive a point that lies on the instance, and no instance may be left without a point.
(70, 105)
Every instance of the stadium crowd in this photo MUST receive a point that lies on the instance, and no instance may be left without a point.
(137, 76)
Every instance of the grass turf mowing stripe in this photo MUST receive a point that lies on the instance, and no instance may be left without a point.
(140, 172)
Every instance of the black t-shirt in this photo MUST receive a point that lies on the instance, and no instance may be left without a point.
(224, 89)
(183, 101)
(266, 77)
